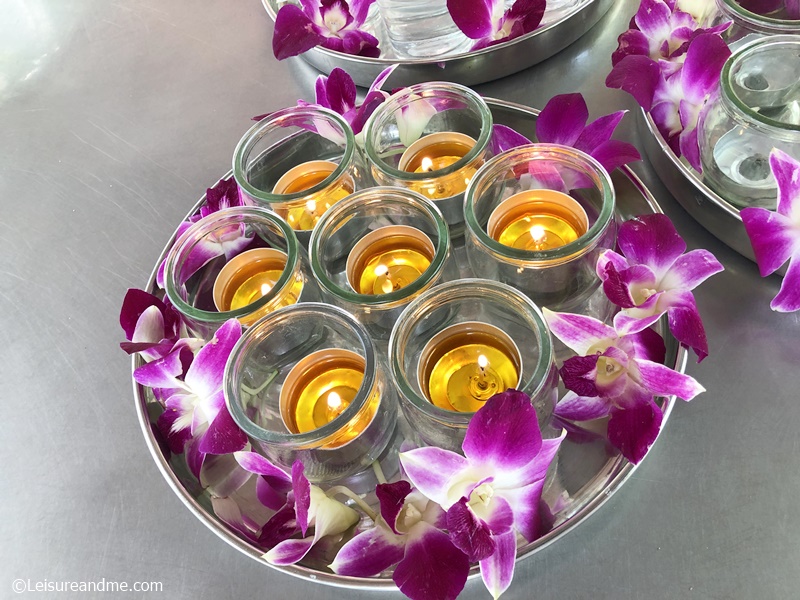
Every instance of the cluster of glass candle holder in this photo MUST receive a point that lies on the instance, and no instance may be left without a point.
(757, 109)
(401, 319)
(747, 26)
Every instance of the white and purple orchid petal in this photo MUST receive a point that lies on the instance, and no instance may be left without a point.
(141, 329)
(497, 571)
(470, 534)
(663, 381)
(369, 553)
(473, 17)
(432, 513)
(223, 436)
(690, 270)
(579, 374)
(224, 194)
(598, 131)
(431, 469)
(301, 490)
(268, 495)
(176, 438)
(494, 510)
(647, 344)
(688, 139)
(357, 43)
(609, 256)
(653, 19)
(630, 42)
(547, 176)
(255, 463)
(633, 430)
(630, 321)
(581, 408)
(412, 118)
(562, 120)
(340, 91)
(579, 332)
(381, 79)
(364, 112)
(611, 378)
(504, 433)
(289, 552)
(148, 350)
(639, 76)
(504, 138)
(614, 154)
(786, 171)
(320, 94)
(360, 9)
(149, 327)
(685, 322)
(161, 373)
(229, 512)
(788, 298)
(204, 377)
(195, 458)
(331, 517)
(618, 285)
(793, 9)
(294, 33)
(772, 236)
(391, 497)
(701, 70)
(280, 527)
(507, 481)
(527, 13)
(421, 576)
(526, 501)
(651, 240)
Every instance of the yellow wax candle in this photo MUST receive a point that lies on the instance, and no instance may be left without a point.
(433, 153)
(304, 214)
(466, 364)
(538, 220)
(388, 259)
(319, 388)
(250, 276)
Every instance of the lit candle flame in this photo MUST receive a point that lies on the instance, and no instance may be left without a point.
(427, 164)
(483, 362)
(311, 206)
(538, 233)
(265, 288)
(381, 270)
(334, 401)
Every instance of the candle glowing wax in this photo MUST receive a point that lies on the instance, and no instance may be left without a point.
(304, 214)
(388, 259)
(319, 388)
(434, 152)
(250, 276)
(538, 220)
(464, 365)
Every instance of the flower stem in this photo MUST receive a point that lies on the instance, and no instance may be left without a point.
(345, 491)
(376, 466)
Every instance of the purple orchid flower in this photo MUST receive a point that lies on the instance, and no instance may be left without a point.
(494, 490)
(655, 275)
(408, 533)
(767, 7)
(224, 194)
(305, 506)
(196, 418)
(675, 98)
(332, 24)
(775, 236)
(662, 30)
(616, 376)
(487, 21)
(152, 327)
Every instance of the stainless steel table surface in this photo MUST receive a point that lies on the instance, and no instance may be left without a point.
(114, 118)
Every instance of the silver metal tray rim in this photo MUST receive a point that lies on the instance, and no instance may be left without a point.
(308, 574)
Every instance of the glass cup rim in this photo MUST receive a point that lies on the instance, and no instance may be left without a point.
(431, 87)
(730, 95)
(459, 289)
(350, 205)
(253, 135)
(204, 226)
(553, 256)
(250, 337)
(734, 9)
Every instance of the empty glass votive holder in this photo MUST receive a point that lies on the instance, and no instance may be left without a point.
(747, 26)
(757, 109)
(304, 384)
(431, 138)
(376, 251)
(538, 217)
(297, 162)
(240, 262)
(459, 344)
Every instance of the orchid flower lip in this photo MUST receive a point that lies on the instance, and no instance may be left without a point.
(497, 166)
(249, 341)
(226, 217)
(344, 209)
(435, 89)
(423, 306)
(288, 117)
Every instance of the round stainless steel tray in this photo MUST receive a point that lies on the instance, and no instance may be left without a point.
(708, 208)
(468, 68)
(587, 475)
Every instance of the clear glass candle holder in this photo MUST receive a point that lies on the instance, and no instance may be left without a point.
(748, 26)
(421, 28)
(757, 109)
(436, 346)
(304, 384)
(241, 262)
(430, 138)
(553, 269)
(376, 251)
(297, 162)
